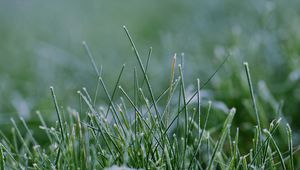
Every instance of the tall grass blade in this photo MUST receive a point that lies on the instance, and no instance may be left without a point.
(115, 114)
(185, 109)
(195, 93)
(91, 58)
(143, 71)
(221, 140)
(58, 113)
(115, 88)
(147, 64)
(170, 88)
(201, 135)
(252, 95)
(28, 131)
(44, 125)
(21, 137)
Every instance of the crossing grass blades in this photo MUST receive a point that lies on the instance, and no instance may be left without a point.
(139, 132)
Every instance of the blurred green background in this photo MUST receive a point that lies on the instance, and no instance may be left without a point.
(41, 46)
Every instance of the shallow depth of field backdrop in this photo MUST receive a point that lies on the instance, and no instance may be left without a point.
(41, 45)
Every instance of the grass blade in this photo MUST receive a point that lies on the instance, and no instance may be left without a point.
(91, 58)
(143, 71)
(44, 125)
(202, 132)
(290, 141)
(115, 114)
(2, 162)
(186, 125)
(115, 88)
(28, 131)
(147, 64)
(224, 132)
(195, 93)
(21, 137)
(57, 112)
(276, 147)
(252, 94)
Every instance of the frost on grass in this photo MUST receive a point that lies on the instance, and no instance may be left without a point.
(136, 131)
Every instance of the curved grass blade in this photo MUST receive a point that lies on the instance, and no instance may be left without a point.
(290, 141)
(276, 147)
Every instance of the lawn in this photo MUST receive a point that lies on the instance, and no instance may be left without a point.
(185, 85)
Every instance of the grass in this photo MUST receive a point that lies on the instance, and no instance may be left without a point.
(144, 130)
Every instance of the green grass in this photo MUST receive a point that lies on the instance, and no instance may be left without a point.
(139, 129)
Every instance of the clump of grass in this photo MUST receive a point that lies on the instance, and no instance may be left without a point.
(141, 132)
